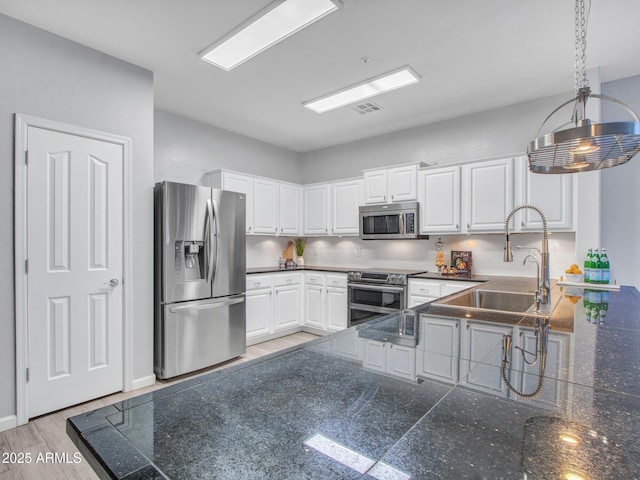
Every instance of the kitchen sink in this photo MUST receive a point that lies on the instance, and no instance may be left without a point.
(509, 302)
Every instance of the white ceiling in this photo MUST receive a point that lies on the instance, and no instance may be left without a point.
(472, 56)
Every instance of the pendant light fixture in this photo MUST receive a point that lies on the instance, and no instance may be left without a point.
(584, 145)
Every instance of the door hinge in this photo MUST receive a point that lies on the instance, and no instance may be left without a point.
(26, 266)
(27, 375)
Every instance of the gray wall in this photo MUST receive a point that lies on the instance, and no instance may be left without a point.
(488, 134)
(49, 77)
(186, 149)
(620, 207)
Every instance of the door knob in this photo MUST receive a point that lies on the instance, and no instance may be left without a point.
(114, 282)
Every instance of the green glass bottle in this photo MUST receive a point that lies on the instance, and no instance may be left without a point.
(594, 268)
(605, 268)
(586, 269)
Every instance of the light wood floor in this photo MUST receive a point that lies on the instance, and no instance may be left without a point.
(46, 434)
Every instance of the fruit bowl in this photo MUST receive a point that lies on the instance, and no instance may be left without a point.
(574, 277)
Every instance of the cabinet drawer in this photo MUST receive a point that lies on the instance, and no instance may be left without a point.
(339, 281)
(455, 287)
(287, 279)
(424, 289)
(255, 282)
(314, 278)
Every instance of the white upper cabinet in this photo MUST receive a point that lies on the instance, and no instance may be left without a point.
(398, 184)
(290, 209)
(403, 183)
(552, 193)
(316, 209)
(265, 206)
(487, 194)
(344, 207)
(439, 195)
(235, 182)
(375, 187)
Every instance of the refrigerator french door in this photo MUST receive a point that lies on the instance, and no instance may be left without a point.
(200, 268)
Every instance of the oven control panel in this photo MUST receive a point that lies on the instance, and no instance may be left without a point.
(375, 277)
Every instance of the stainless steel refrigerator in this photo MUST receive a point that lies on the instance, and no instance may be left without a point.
(200, 268)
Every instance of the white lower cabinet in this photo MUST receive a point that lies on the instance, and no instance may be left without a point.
(555, 393)
(326, 301)
(283, 302)
(287, 303)
(385, 357)
(439, 348)
(481, 356)
(259, 305)
(425, 290)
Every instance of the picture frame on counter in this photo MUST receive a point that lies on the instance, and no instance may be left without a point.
(462, 261)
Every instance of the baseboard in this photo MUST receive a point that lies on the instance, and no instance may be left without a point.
(7, 423)
(143, 382)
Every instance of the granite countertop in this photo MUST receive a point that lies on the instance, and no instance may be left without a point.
(327, 409)
(312, 268)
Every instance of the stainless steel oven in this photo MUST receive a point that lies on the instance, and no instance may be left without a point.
(376, 293)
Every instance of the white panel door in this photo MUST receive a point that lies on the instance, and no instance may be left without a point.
(346, 200)
(316, 210)
(290, 210)
(265, 206)
(241, 184)
(403, 183)
(488, 187)
(337, 309)
(439, 195)
(75, 238)
(375, 187)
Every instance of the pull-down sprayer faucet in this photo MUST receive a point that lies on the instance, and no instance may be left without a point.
(544, 282)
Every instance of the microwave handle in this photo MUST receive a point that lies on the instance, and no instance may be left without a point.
(402, 223)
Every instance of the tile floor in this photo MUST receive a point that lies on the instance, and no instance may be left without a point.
(45, 436)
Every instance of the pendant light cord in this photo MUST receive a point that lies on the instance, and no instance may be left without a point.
(582, 18)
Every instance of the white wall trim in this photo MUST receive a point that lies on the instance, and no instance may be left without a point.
(7, 423)
(143, 382)
(22, 122)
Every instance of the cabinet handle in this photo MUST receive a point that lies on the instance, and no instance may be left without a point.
(257, 284)
(468, 225)
(281, 229)
(326, 230)
(522, 224)
(249, 228)
(457, 226)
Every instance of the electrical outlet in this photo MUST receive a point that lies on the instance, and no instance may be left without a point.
(358, 251)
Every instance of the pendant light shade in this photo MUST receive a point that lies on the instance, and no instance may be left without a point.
(585, 145)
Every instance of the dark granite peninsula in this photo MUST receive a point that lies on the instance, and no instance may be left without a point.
(386, 401)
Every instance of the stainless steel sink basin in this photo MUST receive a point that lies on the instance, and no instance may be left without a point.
(510, 302)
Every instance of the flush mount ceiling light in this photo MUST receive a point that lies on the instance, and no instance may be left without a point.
(369, 88)
(585, 146)
(274, 23)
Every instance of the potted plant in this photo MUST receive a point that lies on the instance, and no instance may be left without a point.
(300, 245)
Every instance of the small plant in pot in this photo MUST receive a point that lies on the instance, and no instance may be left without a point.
(300, 245)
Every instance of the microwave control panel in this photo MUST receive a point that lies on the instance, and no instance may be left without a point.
(410, 223)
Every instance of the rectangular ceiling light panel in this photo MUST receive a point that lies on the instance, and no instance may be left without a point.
(369, 88)
(268, 27)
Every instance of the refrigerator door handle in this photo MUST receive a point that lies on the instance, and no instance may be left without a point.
(222, 302)
(214, 237)
(210, 241)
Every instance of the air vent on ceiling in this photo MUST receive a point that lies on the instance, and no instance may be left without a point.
(366, 107)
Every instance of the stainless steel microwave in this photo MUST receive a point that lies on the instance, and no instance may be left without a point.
(390, 221)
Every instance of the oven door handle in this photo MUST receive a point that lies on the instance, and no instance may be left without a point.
(386, 288)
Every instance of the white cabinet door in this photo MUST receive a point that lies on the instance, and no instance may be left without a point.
(375, 187)
(481, 357)
(556, 382)
(290, 209)
(401, 361)
(265, 206)
(337, 309)
(314, 306)
(236, 183)
(553, 194)
(346, 200)
(402, 183)
(374, 355)
(259, 312)
(439, 348)
(316, 210)
(439, 197)
(488, 194)
(287, 307)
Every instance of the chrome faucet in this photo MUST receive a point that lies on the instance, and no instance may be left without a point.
(544, 281)
(524, 262)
